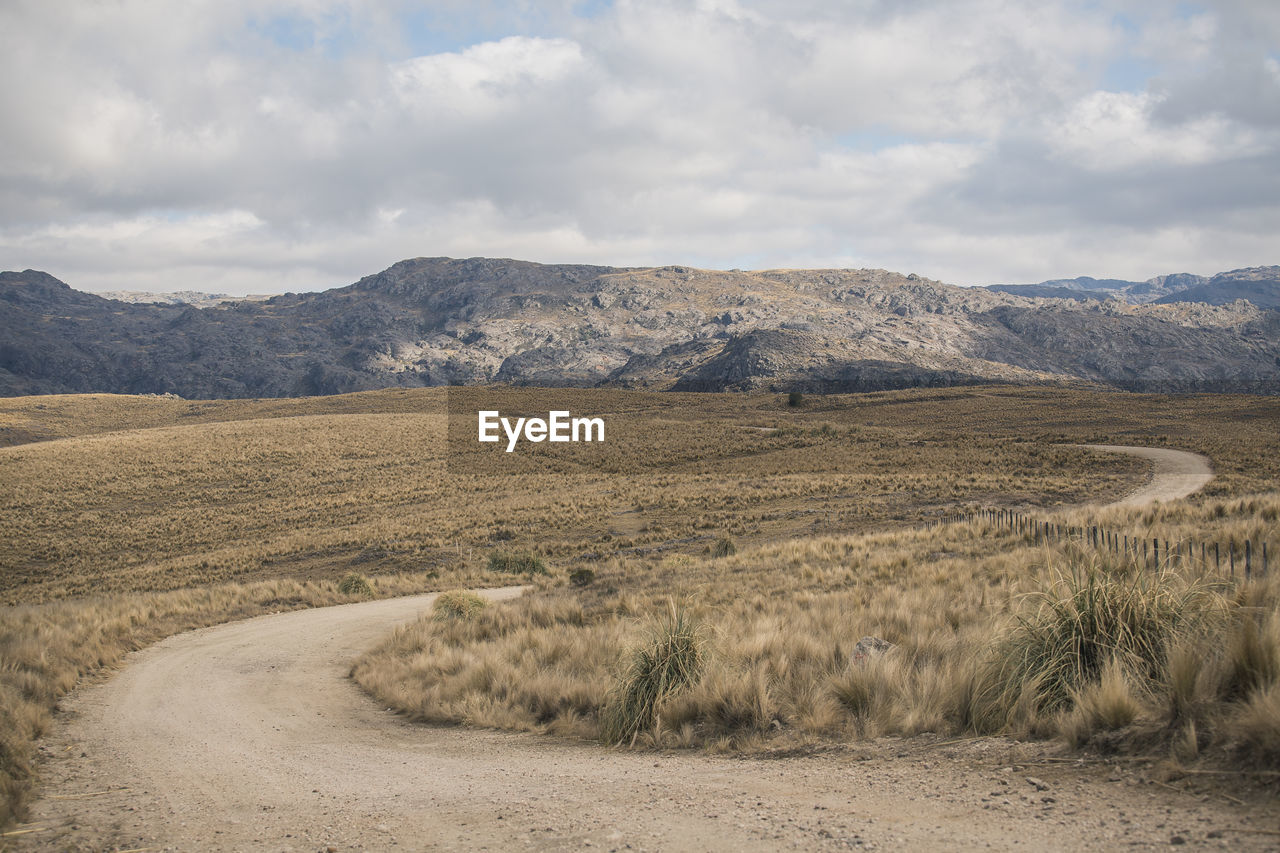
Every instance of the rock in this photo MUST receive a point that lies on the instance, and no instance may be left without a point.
(1037, 783)
(868, 648)
(442, 321)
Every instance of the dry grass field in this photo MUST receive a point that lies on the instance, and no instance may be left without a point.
(126, 518)
(248, 490)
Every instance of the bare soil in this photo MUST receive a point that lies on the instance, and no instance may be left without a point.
(250, 736)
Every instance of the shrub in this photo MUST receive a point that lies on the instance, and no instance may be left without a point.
(458, 604)
(671, 661)
(355, 584)
(795, 398)
(517, 562)
(582, 577)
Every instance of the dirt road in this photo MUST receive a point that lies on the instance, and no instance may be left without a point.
(1174, 474)
(249, 736)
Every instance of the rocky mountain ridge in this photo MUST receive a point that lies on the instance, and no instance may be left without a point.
(194, 298)
(1259, 285)
(439, 321)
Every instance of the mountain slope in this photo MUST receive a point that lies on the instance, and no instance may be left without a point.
(1259, 285)
(438, 321)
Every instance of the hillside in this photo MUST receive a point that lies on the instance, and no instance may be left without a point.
(440, 321)
(1259, 285)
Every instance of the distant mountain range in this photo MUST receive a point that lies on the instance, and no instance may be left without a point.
(1259, 285)
(196, 298)
(439, 321)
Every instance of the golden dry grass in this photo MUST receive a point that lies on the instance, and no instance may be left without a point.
(367, 482)
(123, 519)
(987, 626)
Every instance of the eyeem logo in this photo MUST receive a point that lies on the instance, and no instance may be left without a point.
(558, 426)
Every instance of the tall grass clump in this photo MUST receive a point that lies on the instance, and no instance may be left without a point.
(517, 562)
(672, 660)
(723, 547)
(458, 604)
(1088, 617)
(355, 583)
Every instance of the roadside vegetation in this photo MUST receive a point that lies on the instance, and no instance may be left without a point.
(783, 533)
(990, 632)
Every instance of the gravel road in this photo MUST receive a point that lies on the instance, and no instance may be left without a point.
(249, 736)
(1174, 473)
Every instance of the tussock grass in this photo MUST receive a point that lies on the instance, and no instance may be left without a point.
(354, 583)
(992, 635)
(517, 562)
(458, 604)
(723, 547)
(1093, 614)
(670, 661)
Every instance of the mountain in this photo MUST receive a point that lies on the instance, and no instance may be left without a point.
(195, 298)
(439, 321)
(1259, 285)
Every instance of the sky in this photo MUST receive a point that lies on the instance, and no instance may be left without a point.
(263, 146)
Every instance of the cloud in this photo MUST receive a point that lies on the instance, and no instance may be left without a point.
(293, 144)
(1111, 132)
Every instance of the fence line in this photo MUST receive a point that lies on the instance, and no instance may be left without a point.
(1149, 552)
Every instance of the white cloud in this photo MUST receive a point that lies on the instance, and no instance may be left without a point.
(485, 79)
(968, 140)
(1115, 131)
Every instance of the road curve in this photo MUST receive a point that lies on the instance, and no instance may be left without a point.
(1174, 473)
(250, 736)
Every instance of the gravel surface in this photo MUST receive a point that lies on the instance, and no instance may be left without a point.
(1174, 473)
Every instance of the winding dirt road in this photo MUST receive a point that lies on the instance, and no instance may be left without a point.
(249, 736)
(1174, 473)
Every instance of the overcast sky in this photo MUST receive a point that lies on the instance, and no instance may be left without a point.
(252, 146)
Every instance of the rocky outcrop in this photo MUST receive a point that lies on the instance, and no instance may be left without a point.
(440, 321)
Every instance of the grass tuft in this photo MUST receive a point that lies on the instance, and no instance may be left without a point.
(458, 604)
(671, 661)
(1104, 705)
(723, 547)
(355, 584)
(517, 562)
(1088, 615)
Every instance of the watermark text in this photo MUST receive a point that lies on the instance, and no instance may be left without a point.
(559, 426)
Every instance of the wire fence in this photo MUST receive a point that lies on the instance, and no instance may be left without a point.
(1236, 559)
